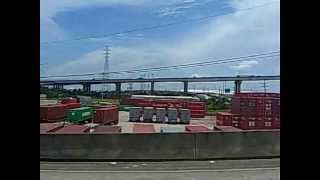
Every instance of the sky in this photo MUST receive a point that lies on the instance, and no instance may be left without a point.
(235, 28)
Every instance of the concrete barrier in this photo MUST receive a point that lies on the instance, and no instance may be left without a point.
(117, 146)
(188, 146)
(244, 144)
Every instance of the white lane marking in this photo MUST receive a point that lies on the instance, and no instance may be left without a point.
(162, 171)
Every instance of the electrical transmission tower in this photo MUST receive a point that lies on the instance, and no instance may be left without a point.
(106, 65)
(105, 87)
(265, 86)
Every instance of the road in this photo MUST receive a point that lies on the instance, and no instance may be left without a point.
(268, 169)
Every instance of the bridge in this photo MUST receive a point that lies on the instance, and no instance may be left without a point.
(58, 84)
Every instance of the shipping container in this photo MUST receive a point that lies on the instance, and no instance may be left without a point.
(72, 105)
(161, 115)
(197, 128)
(143, 128)
(148, 113)
(54, 112)
(256, 106)
(80, 114)
(196, 108)
(197, 113)
(73, 129)
(135, 113)
(184, 116)
(247, 124)
(68, 100)
(107, 129)
(202, 104)
(108, 115)
(226, 118)
(49, 127)
(172, 115)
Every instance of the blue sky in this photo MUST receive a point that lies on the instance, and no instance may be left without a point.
(239, 33)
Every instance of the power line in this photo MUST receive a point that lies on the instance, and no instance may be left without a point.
(221, 61)
(155, 26)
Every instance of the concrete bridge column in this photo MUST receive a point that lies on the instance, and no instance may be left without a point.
(152, 87)
(185, 86)
(87, 87)
(58, 86)
(118, 89)
(237, 86)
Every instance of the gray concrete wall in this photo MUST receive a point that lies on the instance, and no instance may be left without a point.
(117, 146)
(161, 146)
(244, 144)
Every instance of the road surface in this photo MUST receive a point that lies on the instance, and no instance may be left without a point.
(268, 169)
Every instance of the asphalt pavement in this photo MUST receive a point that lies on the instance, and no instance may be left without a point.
(268, 169)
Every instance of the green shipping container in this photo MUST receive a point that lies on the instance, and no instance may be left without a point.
(80, 114)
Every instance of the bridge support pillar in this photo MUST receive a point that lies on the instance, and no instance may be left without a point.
(87, 88)
(118, 89)
(237, 86)
(152, 87)
(185, 86)
(58, 86)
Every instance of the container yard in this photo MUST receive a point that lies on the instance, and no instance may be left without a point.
(161, 131)
(249, 111)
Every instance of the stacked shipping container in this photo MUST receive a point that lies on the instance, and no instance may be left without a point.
(252, 111)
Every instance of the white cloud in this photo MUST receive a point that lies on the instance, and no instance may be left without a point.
(51, 31)
(245, 64)
(195, 75)
(239, 34)
(178, 7)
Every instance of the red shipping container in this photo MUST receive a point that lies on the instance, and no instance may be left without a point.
(72, 105)
(52, 112)
(219, 122)
(197, 111)
(234, 123)
(247, 124)
(268, 125)
(49, 127)
(143, 128)
(197, 128)
(106, 115)
(276, 124)
(72, 129)
(68, 100)
(197, 115)
(107, 129)
(196, 107)
(259, 124)
(225, 118)
(192, 103)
